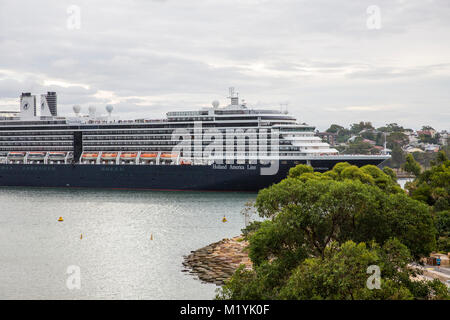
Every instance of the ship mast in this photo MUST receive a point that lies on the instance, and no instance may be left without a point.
(234, 97)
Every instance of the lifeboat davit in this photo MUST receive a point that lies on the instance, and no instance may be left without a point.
(16, 154)
(58, 155)
(36, 155)
(185, 162)
(109, 156)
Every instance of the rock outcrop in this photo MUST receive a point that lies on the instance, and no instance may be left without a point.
(217, 262)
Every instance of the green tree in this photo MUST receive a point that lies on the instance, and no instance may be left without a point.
(310, 213)
(396, 138)
(397, 156)
(356, 128)
(341, 274)
(335, 128)
(300, 169)
(443, 230)
(358, 147)
(411, 165)
(320, 211)
(391, 173)
(433, 186)
(391, 127)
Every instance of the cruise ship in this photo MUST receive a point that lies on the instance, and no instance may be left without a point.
(230, 148)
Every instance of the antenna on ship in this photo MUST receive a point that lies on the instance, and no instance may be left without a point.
(285, 104)
(234, 98)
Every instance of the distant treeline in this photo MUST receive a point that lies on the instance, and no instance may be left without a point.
(364, 138)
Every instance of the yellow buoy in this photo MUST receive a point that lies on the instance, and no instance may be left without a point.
(224, 219)
(60, 219)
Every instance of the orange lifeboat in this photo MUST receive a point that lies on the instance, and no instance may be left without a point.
(169, 156)
(90, 155)
(109, 156)
(148, 155)
(128, 155)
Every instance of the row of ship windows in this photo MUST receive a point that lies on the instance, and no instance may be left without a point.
(169, 129)
(192, 140)
(149, 137)
(99, 143)
(121, 138)
(106, 132)
(205, 142)
(138, 142)
(218, 119)
(109, 149)
(174, 143)
(230, 112)
(192, 119)
(49, 138)
(39, 143)
(36, 133)
(237, 135)
(168, 125)
(39, 148)
(46, 131)
(119, 142)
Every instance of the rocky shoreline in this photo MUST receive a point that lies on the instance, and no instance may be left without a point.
(217, 262)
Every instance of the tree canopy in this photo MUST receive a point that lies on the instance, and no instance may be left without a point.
(324, 229)
(411, 165)
(433, 188)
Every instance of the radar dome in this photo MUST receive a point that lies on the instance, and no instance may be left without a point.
(76, 109)
(215, 104)
(109, 108)
(92, 109)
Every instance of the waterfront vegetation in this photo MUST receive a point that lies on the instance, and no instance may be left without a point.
(323, 230)
(433, 188)
(363, 138)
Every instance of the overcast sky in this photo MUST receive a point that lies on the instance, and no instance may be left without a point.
(332, 61)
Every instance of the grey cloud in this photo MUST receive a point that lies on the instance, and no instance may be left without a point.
(316, 54)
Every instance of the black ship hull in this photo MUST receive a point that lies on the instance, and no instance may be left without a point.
(156, 177)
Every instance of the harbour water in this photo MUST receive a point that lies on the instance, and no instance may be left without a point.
(126, 244)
